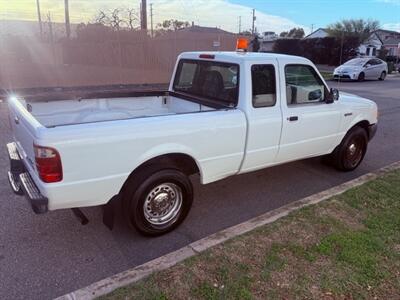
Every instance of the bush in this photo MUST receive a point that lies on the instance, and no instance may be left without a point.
(390, 67)
(319, 50)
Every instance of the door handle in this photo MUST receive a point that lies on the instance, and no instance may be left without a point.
(293, 118)
(16, 120)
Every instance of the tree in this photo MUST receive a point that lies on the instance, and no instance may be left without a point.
(172, 25)
(117, 18)
(359, 28)
(383, 53)
(101, 18)
(132, 19)
(294, 33)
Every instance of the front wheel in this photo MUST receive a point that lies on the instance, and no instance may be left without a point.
(351, 151)
(361, 77)
(160, 202)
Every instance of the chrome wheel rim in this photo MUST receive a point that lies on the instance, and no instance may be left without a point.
(354, 152)
(163, 204)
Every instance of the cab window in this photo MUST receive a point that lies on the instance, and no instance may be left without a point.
(263, 85)
(303, 85)
(213, 80)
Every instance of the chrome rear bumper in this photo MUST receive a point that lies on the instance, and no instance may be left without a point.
(22, 183)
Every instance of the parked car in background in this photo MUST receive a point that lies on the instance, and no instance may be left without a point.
(361, 69)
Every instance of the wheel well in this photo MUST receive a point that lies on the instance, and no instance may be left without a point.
(364, 125)
(180, 161)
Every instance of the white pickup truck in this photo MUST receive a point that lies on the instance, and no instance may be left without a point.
(225, 113)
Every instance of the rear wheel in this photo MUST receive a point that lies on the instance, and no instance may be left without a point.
(158, 200)
(351, 151)
(383, 76)
(361, 77)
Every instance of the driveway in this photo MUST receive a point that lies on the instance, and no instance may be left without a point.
(45, 256)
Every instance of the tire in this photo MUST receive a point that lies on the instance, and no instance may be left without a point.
(383, 76)
(351, 151)
(157, 201)
(361, 77)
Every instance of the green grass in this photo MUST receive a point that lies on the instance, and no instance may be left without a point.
(346, 247)
(326, 75)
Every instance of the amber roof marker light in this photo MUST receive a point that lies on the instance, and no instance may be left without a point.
(242, 45)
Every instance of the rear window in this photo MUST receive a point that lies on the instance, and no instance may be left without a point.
(208, 79)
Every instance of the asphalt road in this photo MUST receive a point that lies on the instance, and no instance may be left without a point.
(45, 256)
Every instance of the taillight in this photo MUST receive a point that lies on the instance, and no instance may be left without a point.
(48, 164)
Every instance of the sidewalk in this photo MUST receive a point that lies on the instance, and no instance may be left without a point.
(345, 247)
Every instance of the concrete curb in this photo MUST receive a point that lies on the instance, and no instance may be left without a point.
(133, 275)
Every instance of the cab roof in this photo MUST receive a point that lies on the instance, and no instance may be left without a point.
(236, 56)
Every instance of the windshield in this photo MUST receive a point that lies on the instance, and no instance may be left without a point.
(208, 79)
(356, 62)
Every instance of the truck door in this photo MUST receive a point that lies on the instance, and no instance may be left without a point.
(263, 115)
(310, 125)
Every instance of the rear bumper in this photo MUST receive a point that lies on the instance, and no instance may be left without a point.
(372, 131)
(22, 183)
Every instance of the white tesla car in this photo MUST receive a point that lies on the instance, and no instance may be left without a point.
(362, 68)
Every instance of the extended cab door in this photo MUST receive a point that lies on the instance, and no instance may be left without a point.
(263, 113)
(310, 125)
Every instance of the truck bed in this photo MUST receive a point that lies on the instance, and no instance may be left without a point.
(53, 113)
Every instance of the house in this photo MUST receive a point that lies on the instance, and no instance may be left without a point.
(319, 33)
(393, 47)
(371, 46)
(269, 36)
(267, 41)
(203, 29)
(379, 39)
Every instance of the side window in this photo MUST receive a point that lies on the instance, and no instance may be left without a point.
(303, 85)
(187, 74)
(263, 85)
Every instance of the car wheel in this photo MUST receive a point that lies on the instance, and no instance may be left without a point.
(383, 76)
(158, 201)
(361, 76)
(351, 151)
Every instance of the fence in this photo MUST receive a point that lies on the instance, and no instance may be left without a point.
(100, 58)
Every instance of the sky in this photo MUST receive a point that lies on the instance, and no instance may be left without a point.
(271, 15)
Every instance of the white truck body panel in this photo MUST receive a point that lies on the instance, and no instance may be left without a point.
(102, 141)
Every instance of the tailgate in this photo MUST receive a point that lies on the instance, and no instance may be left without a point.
(24, 129)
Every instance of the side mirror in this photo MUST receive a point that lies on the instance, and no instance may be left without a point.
(367, 65)
(333, 96)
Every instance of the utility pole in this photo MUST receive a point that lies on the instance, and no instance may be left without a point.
(67, 22)
(50, 24)
(240, 24)
(39, 18)
(143, 19)
(151, 19)
(254, 19)
(312, 28)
